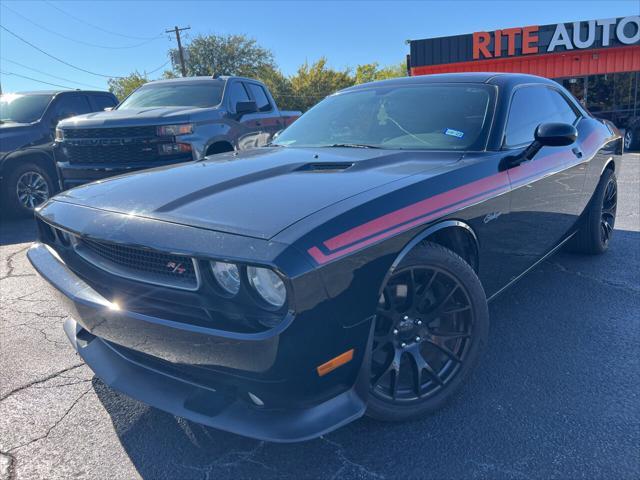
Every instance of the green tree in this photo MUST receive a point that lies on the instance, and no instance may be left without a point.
(223, 55)
(370, 72)
(121, 87)
(279, 86)
(313, 82)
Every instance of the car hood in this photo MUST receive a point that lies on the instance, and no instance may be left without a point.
(136, 117)
(258, 193)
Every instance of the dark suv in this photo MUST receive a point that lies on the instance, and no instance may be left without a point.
(27, 126)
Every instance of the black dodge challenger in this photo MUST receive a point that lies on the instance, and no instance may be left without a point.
(344, 269)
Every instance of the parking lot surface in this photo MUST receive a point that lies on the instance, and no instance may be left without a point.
(557, 394)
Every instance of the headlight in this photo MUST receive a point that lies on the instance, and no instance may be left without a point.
(59, 134)
(227, 276)
(174, 130)
(268, 285)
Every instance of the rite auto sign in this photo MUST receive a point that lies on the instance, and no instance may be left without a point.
(531, 40)
(580, 35)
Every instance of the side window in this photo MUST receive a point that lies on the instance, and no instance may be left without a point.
(237, 93)
(531, 106)
(71, 105)
(564, 112)
(262, 101)
(101, 102)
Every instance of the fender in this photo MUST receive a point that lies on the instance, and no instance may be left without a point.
(29, 152)
(425, 234)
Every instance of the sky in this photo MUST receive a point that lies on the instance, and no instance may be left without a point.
(115, 38)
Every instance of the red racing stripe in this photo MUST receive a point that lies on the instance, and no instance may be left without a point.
(437, 206)
(418, 209)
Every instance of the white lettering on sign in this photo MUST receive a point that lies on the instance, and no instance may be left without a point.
(620, 33)
(560, 37)
(627, 31)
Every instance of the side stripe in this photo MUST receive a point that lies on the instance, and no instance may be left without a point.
(439, 205)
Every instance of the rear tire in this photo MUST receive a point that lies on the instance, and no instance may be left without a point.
(431, 327)
(27, 186)
(596, 227)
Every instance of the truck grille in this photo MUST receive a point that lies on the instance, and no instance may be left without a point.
(116, 154)
(116, 132)
(169, 270)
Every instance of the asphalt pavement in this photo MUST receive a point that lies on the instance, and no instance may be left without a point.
(557, 394)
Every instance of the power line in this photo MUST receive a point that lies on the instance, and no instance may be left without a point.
(35, 79)
(65, 62)
(82, 42)
(97, 27)
(48, 74)
(56, 58)
(156, 69)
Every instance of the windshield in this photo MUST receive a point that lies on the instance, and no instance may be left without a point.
(197, 95)
(424, 117)
(19, 108)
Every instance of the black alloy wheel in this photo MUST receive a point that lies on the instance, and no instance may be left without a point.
(595, 229)
(608, 211)
(431, 323)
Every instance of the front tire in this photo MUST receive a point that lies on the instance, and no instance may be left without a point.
(631, 139)
(27, 186)
(431, 326)
(596, 228)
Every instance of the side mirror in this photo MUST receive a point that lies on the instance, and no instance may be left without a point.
(546, 135)
(242, 108)
(556, 134)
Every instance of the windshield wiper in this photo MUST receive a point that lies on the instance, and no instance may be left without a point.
(350, 145)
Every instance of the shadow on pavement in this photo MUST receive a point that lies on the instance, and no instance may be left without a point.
(553, 397)
(17, 230)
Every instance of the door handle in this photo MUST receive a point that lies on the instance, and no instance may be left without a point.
(258, 123)
(577, 152)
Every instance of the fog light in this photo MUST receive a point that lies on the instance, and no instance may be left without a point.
(173, 148)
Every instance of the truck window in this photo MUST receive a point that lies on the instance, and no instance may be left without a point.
(203, 94)
(103, 101)
(261, 99)
(70, 106)
(237, 93)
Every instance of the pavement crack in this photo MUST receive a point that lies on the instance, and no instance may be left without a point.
(11, 267)
(603, 281)
(51, 428)
(38, 381)
(348, 463)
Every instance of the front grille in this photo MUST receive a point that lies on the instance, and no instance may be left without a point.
(112, 154)
(115, 132)
(177, 271)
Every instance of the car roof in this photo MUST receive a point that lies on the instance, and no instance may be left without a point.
(494, 78)
(57, 92)
(202, 78)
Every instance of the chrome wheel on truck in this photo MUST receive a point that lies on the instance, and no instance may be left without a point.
(32, 189)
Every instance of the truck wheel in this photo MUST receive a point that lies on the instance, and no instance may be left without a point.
(630, 139)
(596, 227)
(27, 186)
(432, 324)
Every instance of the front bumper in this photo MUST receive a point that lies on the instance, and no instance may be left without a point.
(224, 402)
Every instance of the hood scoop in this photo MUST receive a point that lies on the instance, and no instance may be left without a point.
(326, 167)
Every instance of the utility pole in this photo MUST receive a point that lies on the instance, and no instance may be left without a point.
(177, 31)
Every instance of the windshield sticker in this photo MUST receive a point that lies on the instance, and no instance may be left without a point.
(453, 133)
